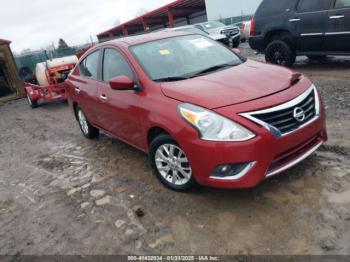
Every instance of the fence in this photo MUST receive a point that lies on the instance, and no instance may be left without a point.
(26, 63)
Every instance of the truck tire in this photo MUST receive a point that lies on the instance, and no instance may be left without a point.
(280, 53)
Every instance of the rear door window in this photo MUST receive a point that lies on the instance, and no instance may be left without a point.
(312, 5)
(342, 3)
(89, 66)
(272, 7)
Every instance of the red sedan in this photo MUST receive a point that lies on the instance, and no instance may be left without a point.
(203, 114)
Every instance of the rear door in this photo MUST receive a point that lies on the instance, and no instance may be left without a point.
(119, 110)
(337, 35)
(308, 21)
(85, 85)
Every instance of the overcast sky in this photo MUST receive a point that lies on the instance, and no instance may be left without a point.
(37, 23)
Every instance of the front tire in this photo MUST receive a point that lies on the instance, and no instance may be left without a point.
(170, 164)
(86, 128)
(280, 53)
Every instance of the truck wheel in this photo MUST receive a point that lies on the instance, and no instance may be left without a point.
(170, 164)
(280, 53)
(88, 130)
(33, 104)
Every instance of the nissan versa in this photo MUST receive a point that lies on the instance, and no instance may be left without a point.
(203, 114)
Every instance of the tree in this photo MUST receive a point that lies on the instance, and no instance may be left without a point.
(62, 44)
(63, 49)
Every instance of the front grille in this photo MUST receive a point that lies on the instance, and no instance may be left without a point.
(288, 117)
(230, 32)
(285, 121)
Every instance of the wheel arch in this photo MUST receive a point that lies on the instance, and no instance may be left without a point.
(279, 34)
(154, 132)
(75, 105)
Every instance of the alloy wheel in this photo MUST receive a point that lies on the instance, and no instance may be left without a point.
(83, 122)
(278, 55)
(173, 165)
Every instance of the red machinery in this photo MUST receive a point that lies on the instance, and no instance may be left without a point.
(44, 93)
(48, 83)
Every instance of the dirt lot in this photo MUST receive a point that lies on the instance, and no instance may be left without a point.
(63, 194)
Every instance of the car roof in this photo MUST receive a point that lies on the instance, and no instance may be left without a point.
(140, 39)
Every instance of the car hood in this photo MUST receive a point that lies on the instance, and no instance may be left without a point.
(217, 36)
(215, 30)
(218, 30)
(246, 82)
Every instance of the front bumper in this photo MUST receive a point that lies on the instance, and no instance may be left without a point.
(267, 154)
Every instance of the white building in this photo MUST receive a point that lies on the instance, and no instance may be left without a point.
(227, 9)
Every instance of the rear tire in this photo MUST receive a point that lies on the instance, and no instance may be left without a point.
(170, 164)
(86, 128)
(32, 104)
(280, 53)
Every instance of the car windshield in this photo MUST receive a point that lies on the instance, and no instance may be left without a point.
(183, 57)
(213, 24)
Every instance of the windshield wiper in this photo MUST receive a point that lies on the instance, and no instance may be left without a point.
(171, 79)
(212, 69)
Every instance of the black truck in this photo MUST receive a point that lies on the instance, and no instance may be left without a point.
(284, 29)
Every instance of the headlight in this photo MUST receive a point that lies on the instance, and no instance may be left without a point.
(213, 127)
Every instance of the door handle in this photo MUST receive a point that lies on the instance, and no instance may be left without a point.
(103, 97)
(336, 17)
(77, 90)
(294, 20)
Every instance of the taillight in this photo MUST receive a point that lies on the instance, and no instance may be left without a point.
(243, 26)
(252, 27)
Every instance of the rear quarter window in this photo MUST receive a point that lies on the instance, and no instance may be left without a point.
(89, 66)
(272, 7)
(342, 3)
(312, 5)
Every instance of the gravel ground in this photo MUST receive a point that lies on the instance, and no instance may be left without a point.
(63, 194)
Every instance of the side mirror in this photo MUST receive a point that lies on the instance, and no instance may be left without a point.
(236, 51)
(122, 83)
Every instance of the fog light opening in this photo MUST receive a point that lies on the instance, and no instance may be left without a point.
(225, 169)
(232, 171)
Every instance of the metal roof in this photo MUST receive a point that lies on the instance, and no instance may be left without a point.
(179, 8)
